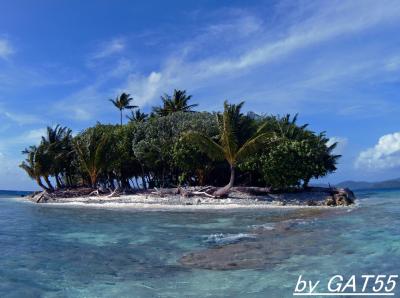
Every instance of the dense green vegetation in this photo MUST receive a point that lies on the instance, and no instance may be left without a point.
(177, 146)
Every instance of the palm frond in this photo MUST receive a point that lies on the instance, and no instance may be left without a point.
(254, 144)
(206, 145)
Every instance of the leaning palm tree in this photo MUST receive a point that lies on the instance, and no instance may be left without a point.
(123, 102)
(178, 102)
(228, 147)
(37, 165)
(30, 166)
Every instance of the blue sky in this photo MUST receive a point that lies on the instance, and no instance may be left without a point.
(336, 63)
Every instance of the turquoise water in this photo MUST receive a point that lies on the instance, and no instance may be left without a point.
(53, 251)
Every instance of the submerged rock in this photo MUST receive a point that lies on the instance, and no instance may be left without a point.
(264, 248)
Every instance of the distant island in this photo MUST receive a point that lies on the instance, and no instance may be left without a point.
(357, 185)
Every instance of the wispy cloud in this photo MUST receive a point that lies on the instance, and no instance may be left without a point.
(89, 101)
(332, 21)
(327, 22)
(81, 105)
(243, 57)
(109, 48)
(6, 49)
(11, 176)
(341, 144)
(393, 64)
(22, 118)
(29, 137)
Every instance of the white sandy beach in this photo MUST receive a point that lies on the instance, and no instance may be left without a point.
(175, 203)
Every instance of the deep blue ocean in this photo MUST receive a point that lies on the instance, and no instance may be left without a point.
(58, 251)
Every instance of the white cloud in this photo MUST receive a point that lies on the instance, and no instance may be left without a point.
(6, 49)
(384, 155)
(341, 144)
(87, 103)
(81, 105)
(147, 88)
(27, 138)
(320, 24)
(393, 64)
(33, 135)
(233, 58)
(112, 47)
(122, 67)
(11, 176)
(345, 18)
(22, 119)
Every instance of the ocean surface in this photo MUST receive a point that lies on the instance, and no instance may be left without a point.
(54, 251)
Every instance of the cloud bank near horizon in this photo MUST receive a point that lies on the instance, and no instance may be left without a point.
(384, 155)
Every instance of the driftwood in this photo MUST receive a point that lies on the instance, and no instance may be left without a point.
(214, 192)
(114, 193)
(310, 196)
(210, 191)
(94, 193)
(42, 197)
(165, 191)
(252, 190)
(46, 196)
(205, 191)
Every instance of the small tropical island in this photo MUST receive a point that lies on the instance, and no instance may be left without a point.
(176, 157)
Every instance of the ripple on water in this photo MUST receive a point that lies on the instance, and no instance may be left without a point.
(224, 239)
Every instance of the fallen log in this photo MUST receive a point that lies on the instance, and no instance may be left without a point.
(115, 193)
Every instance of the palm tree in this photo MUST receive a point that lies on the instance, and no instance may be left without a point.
(30, 166)
(92, 155)
(37, 165)
(228, 147)
(287, 128)
(123, 102)
(57, 142)
(178, 102)
(137, 116)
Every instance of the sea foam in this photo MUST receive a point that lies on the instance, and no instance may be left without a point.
(223, 239)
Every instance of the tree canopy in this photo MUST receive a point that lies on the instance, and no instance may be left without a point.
(176, 146)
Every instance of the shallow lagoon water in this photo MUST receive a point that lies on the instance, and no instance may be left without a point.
(58, 251)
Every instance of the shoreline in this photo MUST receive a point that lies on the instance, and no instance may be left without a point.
(318, 198)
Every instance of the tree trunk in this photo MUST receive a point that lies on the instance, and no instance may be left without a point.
(69, 180)
(121, 117)
(201, 176)
(93, 180)
(144, 183)
(137, 182)
(143, 177)
(46, 178)
(224, 191)
(58, 182)
(39, 182)
(306, 182)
